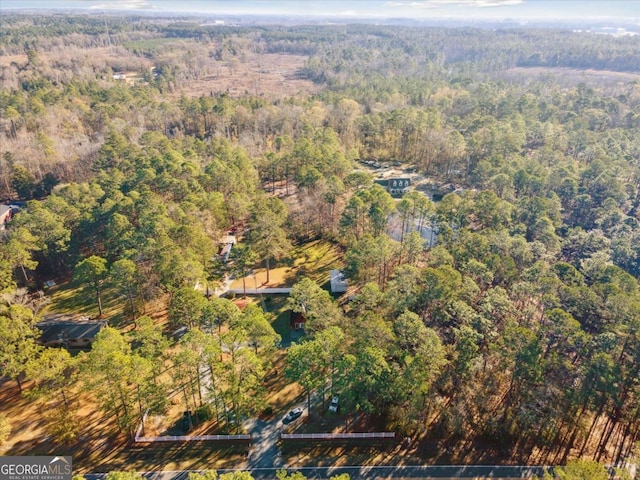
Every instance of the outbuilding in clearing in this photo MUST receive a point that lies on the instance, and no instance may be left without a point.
(338, 282)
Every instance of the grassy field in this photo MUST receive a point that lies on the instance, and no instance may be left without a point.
(314, 260)
(71, 299)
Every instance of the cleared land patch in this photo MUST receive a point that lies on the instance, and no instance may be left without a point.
(270, 75)
(569, 76)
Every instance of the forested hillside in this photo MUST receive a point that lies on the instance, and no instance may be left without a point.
(520, 329)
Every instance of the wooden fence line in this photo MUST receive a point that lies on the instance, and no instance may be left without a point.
(335, 436)
(193, 438)
(184, 438)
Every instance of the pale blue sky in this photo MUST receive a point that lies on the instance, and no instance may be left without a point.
(490, 9)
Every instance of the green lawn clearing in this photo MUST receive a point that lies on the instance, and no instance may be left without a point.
(73, 300)
(314, 260)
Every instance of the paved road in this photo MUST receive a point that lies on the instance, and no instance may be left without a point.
(264, 451)
(398, 472)
(373, 472)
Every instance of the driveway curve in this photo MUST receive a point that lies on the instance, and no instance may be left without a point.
(264, 451)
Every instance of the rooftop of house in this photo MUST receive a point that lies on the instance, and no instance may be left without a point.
(61, 331)
(227, 240)
(338, 281)
(337, 276)
(389, 181)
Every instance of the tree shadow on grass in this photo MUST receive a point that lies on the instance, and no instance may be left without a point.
(72, 299)
(173, 456)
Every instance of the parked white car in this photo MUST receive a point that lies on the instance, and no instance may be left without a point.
(292, 415)
(333, 406)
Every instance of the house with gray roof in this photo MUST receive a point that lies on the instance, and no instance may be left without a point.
(69, 333)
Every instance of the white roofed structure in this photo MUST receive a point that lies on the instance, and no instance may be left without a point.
(338, 282)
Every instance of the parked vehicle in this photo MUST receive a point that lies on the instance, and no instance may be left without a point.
(333, 406)
(292, 415)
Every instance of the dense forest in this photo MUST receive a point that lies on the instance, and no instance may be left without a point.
(521, 326)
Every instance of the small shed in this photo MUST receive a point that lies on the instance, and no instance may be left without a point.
(297, 320)
(338, 282)
(225, 244)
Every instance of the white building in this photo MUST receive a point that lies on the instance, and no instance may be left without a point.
(338, 282)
